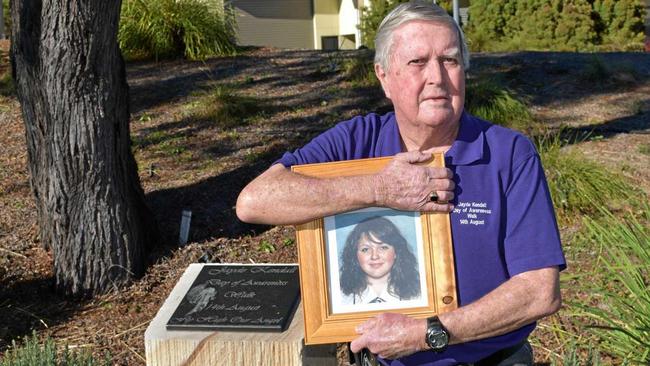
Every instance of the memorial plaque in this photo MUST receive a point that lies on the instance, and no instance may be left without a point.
(239, 297)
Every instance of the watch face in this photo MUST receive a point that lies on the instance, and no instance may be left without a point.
(437, 336)
(438, 339)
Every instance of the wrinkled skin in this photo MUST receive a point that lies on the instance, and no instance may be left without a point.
(403, 186)
(391, 335)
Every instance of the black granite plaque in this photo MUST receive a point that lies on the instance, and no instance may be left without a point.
(239, 297)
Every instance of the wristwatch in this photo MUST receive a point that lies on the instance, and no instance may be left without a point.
(437, 336)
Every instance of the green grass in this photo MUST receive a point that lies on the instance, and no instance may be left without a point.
(619, 310)
(226, 108)
(572, 357)
(34, 353)
(579, 186)
(644, 149)
(7, 87)
(487, 99)
(595, 71)
(194, 29)
(266, 246)
(152, 138)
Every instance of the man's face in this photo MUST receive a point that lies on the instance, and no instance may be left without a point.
(376, 258)
(425, 79)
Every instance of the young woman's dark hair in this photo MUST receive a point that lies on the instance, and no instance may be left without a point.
(404, 279)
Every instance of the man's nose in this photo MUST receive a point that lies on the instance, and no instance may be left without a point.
(434, 73)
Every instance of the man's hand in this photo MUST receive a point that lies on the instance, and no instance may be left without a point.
(391, 335)
(403, 185)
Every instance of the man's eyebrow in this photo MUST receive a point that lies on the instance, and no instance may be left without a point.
(451, 52)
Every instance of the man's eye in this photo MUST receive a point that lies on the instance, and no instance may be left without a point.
(450, 60)
(417, 61)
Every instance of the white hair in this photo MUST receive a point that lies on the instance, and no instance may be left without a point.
(407, 12)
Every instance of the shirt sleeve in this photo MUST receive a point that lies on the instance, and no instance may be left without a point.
(331, 145)
(532, 239)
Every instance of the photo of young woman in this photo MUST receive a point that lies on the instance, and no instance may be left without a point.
(377, 265)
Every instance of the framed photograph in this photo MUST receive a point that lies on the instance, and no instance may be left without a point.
(357, 264)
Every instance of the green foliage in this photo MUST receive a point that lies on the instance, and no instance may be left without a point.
(7, 87)
(595, 71)
(559, 25)
(571, 357)
(266, 246)
(645, 149)
(360, 70)
(371, 17)
(580, 186)
(621, 300)
(33, 353)
(225, 108)
(486, 99)
(194, 29)
(7, 17)
(620, 23)
(575, 28)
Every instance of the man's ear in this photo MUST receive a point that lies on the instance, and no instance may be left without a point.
(381, 75)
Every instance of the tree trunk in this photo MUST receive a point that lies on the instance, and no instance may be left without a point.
(71, 84)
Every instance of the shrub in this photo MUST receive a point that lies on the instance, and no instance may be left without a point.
(580, 186)
(371, 17)
(360, 70)
(622, 310)
(7, 17)
(194, 29)
(7, 87)
(560, 25)
(620, 23)
(486, 99)
(226, 108)
(33, 353)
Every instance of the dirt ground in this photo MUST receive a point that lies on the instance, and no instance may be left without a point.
(188, 163)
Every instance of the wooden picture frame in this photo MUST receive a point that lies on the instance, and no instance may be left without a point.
(322, 325)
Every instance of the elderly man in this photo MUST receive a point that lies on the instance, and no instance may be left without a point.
(506, 242)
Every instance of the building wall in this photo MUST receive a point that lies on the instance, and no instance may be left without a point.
(348, 17)
(326, 20)
(276, 23)
(297, 23)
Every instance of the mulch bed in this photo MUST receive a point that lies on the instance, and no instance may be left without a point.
(305, 93)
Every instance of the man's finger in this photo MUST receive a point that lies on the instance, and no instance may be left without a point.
(413, 157)
(359, 343)
(443, 196)
(442, 185)
(440, 173)
(437, 207)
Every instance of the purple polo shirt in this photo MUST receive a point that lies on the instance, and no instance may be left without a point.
(503, 223)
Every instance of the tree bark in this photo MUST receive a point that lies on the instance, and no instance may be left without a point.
(71, 84)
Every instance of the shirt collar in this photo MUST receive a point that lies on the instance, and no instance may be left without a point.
(390, 140)
(469, 146)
